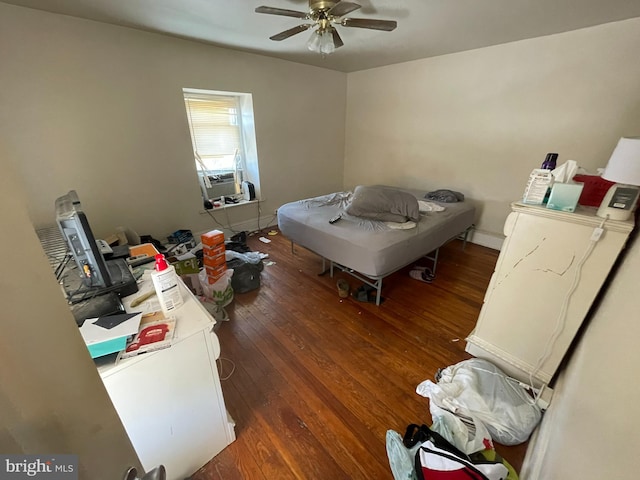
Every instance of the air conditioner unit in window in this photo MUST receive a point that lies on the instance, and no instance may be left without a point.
(221, 186)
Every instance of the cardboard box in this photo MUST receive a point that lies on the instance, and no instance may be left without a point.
(212, 280)
(215, 273)
(212, 238)
(214, 261)
(213, 251)
(143, 249)
(102, 341)
(184, 267)
(192, 282)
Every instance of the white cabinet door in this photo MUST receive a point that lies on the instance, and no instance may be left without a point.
(547, 275)
(172, 407)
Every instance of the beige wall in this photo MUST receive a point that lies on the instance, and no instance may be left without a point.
(480, 121)
(99, 109)
(52, 400)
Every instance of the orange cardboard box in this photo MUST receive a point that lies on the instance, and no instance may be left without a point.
(213, 251)
(212, 280)
(215, 273)
(214, 261)
(212, 238)
(217, 270)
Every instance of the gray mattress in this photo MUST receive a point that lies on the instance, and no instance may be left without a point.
(367, 246)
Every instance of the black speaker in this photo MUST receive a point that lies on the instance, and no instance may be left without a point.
(248, 191)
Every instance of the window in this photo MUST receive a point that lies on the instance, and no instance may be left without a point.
(223, 139)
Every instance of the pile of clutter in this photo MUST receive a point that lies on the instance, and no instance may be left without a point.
(472, 404)
(215, 269)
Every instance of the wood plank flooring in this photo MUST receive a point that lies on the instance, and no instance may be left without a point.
(313, 381)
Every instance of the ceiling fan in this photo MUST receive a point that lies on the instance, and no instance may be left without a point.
(325, 14)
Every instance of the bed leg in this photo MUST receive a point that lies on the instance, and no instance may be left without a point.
(435, 261)
(324, 268)
(378, 292)
(466, 236)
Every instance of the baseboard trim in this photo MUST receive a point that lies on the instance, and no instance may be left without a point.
(486, 239)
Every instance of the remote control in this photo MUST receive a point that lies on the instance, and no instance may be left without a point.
(335, 219)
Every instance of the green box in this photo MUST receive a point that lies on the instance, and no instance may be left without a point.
(564, 196)
(185, 267)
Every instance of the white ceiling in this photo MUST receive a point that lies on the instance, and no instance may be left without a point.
(425, 27)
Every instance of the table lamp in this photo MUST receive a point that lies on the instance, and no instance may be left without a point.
(624, 169)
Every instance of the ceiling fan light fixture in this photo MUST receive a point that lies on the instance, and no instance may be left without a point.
(321, 42)
(324, 14)
(327, 46)
(313, 43)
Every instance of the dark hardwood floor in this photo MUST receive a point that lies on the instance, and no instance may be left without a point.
(313, 381)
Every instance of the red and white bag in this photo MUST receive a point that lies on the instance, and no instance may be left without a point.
(434, 463)
(438, 459)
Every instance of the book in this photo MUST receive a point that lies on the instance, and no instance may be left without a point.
(155, 333)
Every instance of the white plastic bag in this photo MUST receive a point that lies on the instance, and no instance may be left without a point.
(249, 257)
(452, 420)
(479, 390)
(219, 292)
(401, 458)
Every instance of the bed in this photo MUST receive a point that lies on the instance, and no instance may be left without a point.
(370, 248)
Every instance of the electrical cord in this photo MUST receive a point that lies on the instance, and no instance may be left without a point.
(89, 293)
(228, 227)
(233, 368)
(63, 265)
(86, 290)
(561, 320)
(259, 213)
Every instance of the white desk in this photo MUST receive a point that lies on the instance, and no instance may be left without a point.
(170, 401)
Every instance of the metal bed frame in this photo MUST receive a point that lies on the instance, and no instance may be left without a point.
(376, 282)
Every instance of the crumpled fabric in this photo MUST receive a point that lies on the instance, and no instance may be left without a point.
(445, 196)
(424, 207)
(401, 226)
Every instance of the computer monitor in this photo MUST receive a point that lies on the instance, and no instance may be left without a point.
(76, 231)
(98, 275)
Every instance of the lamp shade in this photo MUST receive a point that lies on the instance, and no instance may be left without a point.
(624, 164)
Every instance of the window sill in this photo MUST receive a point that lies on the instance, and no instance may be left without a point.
(229, 205)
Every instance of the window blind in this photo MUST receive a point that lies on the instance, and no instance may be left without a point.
(214, 121)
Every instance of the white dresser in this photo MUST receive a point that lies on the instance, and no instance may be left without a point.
(170, 401)
(547, 276)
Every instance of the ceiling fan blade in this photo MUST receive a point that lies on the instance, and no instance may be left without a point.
(337, 41)
(291, 32)
(386, 25)
(281, 11)
(342, 8)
